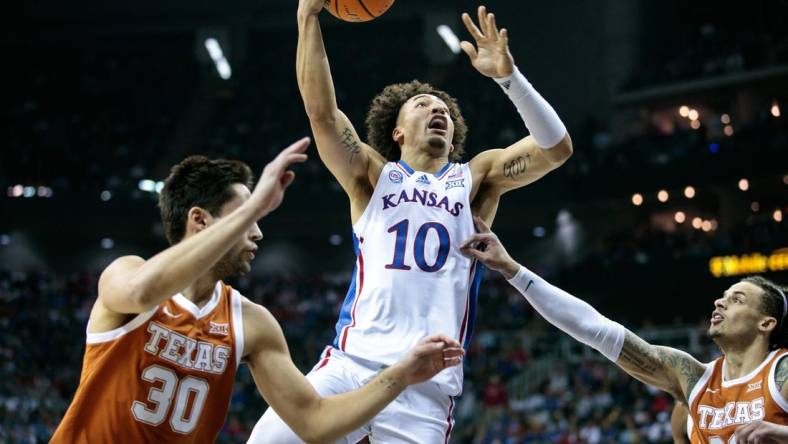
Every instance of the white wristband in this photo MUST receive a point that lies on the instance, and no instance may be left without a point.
(539, 117)
(570, 314)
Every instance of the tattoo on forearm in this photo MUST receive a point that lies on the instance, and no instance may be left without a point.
(638, 356)
(781, 374)
(350, 143)
(514, 168)
(389, 384)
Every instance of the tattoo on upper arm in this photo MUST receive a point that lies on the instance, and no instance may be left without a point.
(648, 360)
(516, 167)
(686, 365)
(350, 143)
(781, 374)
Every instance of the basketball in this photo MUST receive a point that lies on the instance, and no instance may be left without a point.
(358, 10)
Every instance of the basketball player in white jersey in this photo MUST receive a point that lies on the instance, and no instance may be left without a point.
(166, 335)
(411, 201)
(741, 397)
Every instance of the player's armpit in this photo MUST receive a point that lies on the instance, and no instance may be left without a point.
(116, 289)
(668, 369)
(520, 164)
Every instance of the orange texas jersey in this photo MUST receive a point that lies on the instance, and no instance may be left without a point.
(718, 407)
(165, 377)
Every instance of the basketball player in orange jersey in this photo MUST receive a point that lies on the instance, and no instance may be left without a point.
(166, 335)
(742, 397)
(411, 200)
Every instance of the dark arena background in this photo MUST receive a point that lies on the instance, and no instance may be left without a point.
(677, 188)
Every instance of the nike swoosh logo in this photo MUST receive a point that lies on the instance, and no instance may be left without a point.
(169, 313)
(529, 285)
(712, 391)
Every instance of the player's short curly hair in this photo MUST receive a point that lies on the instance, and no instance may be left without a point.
(772, 304)
(382, 118)
(198, 181)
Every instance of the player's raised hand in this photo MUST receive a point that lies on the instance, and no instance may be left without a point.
(491, 55)
(429, 356)
(310, 6)
(488, 249)
(270, 189)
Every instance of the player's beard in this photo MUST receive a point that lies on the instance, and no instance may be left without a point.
(437, 142)
(232, 265)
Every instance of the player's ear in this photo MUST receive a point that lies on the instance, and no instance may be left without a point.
(767, 324)
(197, 220)
(398, 135)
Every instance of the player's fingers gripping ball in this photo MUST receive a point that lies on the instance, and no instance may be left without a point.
(358, 10)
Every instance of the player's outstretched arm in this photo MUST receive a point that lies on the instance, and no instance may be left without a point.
(678, 423)
(317, 419)
(669, 369)
(338, 144)
(131, 284)
(549, 144)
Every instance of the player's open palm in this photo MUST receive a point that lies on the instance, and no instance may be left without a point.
(491, 55)
(431, 355)
(276, 177)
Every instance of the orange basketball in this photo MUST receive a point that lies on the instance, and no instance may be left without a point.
(357, 10)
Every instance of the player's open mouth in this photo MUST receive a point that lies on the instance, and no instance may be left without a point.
(716, 318)
(438, 123)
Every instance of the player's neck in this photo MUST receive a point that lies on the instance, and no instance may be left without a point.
(740, 361)
(424, 161)
(201, 290)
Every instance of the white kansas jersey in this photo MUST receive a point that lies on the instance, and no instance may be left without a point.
(410, 279)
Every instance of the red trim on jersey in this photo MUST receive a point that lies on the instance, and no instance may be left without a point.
(448, 420)
(325, 360)
(451, 168)
(355, 303)
(402, 168)
(467, 301)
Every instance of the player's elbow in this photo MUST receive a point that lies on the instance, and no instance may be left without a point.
(315, 427)
(562, 151)
(319, 112)
(313, 433)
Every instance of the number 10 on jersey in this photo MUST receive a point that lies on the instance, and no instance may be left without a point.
(419, 241)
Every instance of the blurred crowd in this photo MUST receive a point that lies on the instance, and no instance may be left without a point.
(711, 42)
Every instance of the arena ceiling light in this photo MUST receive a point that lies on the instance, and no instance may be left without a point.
(219, 60)
(150, 186)
(20, 190)
(450, 38)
